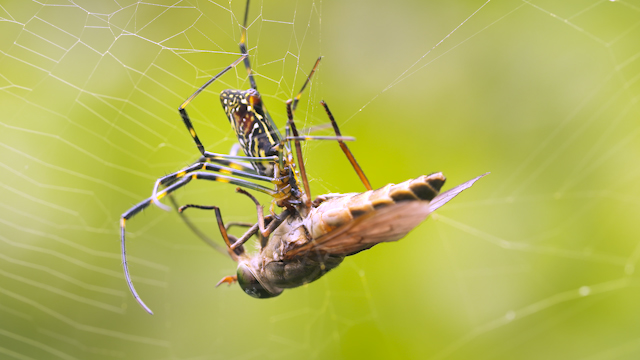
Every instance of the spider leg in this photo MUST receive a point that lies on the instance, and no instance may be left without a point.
(203, 236)
(187, 122)
(297, 98)
(126, 270)
(291, 107)
(338, 136)
(259, 211)
(235, 149)
(243, 48)
(223, 230)
(183, 112)
(346, 150)
(234, 164)
(267, 220)
(252, 227)
(227, 239)
(238, 224)
(173, 187)
(195, 229)
(171, 178)
(277, 220)
(303, 172)
(307, 138)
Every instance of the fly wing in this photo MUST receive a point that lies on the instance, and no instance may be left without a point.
(444, 197)
(383, 224)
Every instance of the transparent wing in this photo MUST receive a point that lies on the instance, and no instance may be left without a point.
(388, 223)
(444, 197)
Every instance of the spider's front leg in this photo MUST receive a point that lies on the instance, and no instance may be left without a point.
(228, 239)
(167, 191)
(235, 245)
(168, 180)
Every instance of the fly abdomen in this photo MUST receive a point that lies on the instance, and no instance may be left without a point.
(424, 188)
(336, 212)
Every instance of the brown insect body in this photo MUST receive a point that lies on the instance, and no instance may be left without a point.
(302, 249)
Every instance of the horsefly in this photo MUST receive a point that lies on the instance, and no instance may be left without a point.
(302, 249)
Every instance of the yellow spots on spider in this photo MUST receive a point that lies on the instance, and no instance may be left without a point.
(161, 195)
(235, 166)
(225, 171)
(259, 151)
(192, 132)
(122, 221)
(181, 174)
(222, 180)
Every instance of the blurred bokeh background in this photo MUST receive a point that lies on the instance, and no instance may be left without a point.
(535, 261)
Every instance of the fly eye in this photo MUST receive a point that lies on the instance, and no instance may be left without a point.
(250, 284)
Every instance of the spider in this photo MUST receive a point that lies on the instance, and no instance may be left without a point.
(268, 159)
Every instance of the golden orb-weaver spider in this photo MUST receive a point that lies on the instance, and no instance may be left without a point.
(268, 159)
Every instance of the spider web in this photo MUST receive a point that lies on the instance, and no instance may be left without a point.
(536, 261)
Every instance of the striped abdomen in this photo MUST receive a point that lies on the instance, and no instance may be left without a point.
(302, 249)
(336, 212)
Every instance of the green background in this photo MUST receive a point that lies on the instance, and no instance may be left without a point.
(537, 260)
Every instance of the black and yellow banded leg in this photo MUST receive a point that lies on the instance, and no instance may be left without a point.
(243, 47)
(345, 149)
(171, 178)
(173, 187)
(213, 177)
(201, 176)
(187, 121)
(234, 164)
(307, 138)
(215, 156)
(183, 112)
